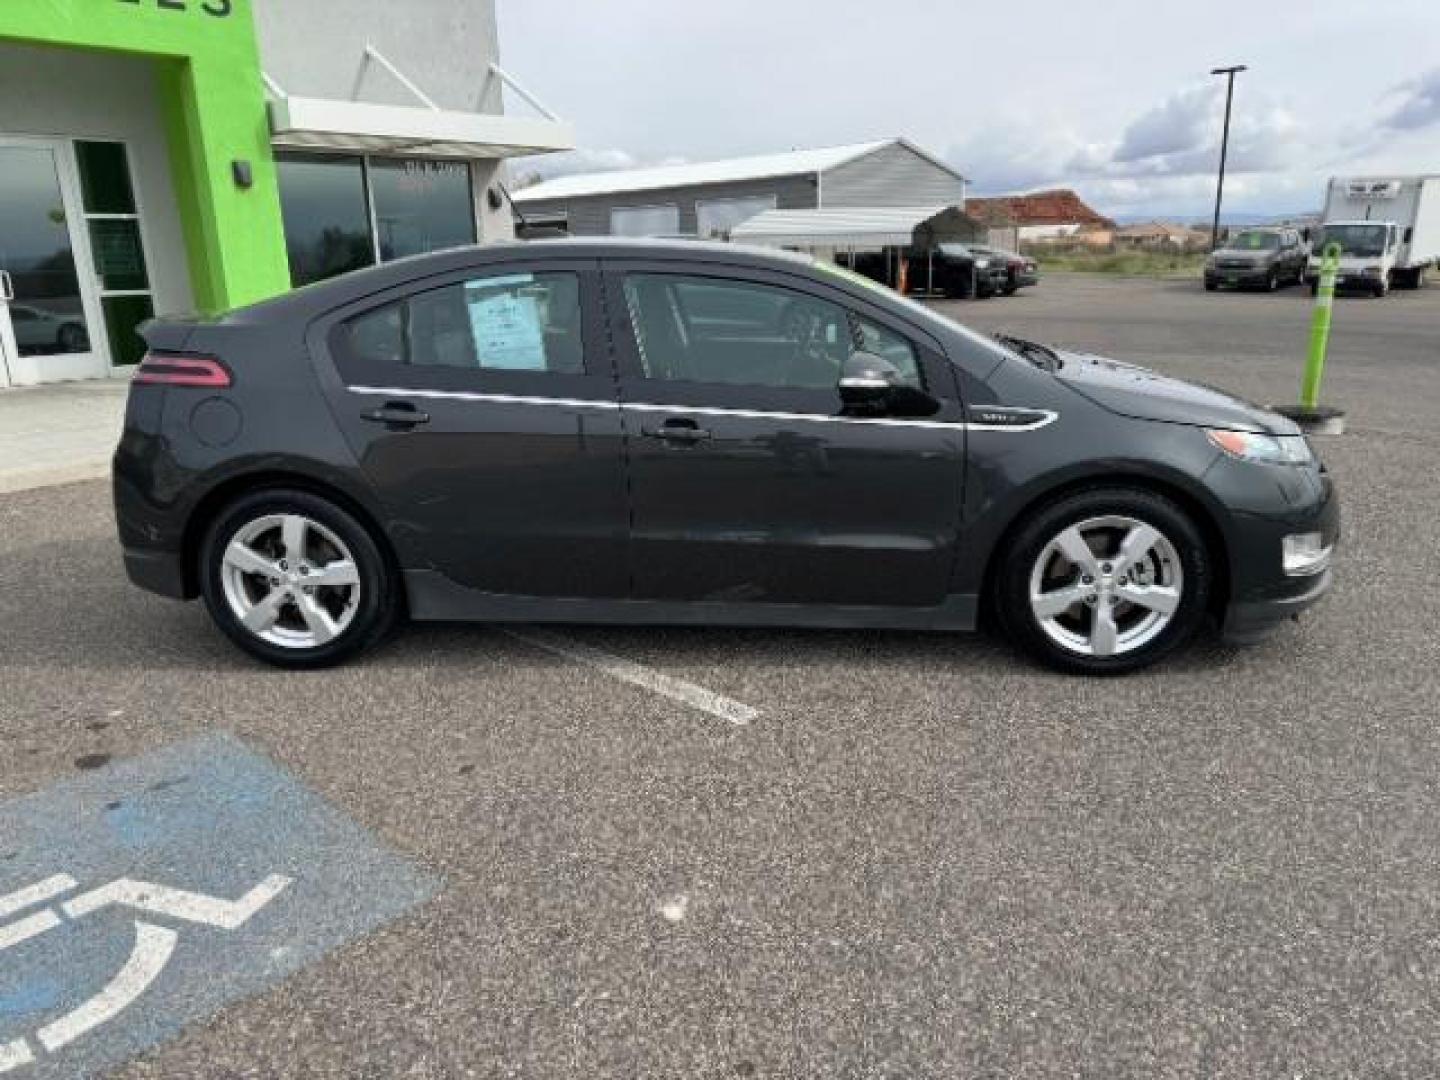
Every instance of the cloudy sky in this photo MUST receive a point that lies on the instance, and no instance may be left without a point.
(1112, 97)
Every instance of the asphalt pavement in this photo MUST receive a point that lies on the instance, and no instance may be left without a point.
(908, 855)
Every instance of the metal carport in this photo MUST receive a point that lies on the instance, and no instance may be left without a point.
(891, 230)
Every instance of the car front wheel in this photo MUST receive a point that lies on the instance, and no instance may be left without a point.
(296, 580)
(1104, 581)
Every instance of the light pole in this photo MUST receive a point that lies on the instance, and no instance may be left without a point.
(1229, 73)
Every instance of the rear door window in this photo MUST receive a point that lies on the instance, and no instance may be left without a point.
(519, 322)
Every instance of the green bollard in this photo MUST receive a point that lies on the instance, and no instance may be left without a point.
(1310, 416)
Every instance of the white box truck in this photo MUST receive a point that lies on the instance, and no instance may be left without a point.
(1388, 229)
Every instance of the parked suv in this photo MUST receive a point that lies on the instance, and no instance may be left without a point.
(1259, 258)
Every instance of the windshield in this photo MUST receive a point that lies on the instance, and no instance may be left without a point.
(1362, 240)
(927, 315)
(1256, 241)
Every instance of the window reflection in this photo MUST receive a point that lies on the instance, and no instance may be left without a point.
(46, 314)
(327, 222)
(421, 206)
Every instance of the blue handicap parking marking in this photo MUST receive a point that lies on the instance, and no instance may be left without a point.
(143, 897)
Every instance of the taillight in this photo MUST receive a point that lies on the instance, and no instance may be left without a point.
(175, 370)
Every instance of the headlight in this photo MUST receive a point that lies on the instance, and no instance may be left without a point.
(1372, 271)
(1266, 449)
(983, 264)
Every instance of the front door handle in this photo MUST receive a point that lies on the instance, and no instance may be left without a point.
(677, 431)
(396, 415)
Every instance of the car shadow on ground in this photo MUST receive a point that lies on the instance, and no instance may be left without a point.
(97, 620)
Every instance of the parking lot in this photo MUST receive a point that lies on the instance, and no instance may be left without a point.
(697, 853)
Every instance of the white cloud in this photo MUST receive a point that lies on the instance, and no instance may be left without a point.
(1415, 104)
(1163, 160)
(530, 170)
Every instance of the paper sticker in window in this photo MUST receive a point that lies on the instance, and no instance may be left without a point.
(507, 328)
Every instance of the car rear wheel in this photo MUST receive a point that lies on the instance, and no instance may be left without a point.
(296, 580)
(1105, 581)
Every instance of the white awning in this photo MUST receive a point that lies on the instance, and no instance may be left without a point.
(848, 227)
(327, 124)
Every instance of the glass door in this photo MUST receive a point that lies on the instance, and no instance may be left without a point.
(48, 311)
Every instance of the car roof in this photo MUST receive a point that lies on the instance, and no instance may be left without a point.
(356, 285)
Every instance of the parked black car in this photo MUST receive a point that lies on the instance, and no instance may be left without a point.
(1258, 258)
(672, 432)
(949, 270)
(1020, 270)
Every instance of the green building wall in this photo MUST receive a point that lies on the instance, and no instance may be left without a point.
(209, 68)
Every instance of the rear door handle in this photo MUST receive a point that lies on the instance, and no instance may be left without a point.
(676, 430)
(396, 415)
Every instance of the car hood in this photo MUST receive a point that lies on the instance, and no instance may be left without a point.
(1147, 395)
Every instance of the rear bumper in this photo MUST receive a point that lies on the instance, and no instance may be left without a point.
(159, 572)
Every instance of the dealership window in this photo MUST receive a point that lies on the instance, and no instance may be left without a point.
(113, 222)
(645, 220)
(716, 217)
(344, 213)
(327, 216)
(421, 205)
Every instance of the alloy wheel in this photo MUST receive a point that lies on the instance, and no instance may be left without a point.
(1106, 586)
(290, 581)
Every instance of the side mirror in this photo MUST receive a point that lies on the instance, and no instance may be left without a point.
(867, 379)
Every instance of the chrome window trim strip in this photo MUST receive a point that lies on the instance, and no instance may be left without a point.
(1045, 417)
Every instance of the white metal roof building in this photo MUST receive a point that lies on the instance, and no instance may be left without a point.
(712, 198)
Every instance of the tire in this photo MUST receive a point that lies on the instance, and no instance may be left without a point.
(1314, 288)
(1034, 566)
(1272, 281)
(1211, 286)
(313, 626)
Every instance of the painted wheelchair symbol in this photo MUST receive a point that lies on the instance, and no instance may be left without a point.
(153, 947)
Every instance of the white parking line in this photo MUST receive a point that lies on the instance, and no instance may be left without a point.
(687, 693)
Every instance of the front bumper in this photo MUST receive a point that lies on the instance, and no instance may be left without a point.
(1253, 620)
(1348, 282)
(990, 282)
(1263, 594)
(1250, 275)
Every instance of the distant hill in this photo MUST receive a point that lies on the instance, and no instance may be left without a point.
(1238, 220)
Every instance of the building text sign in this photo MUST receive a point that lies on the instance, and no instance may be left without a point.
(220, 9)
